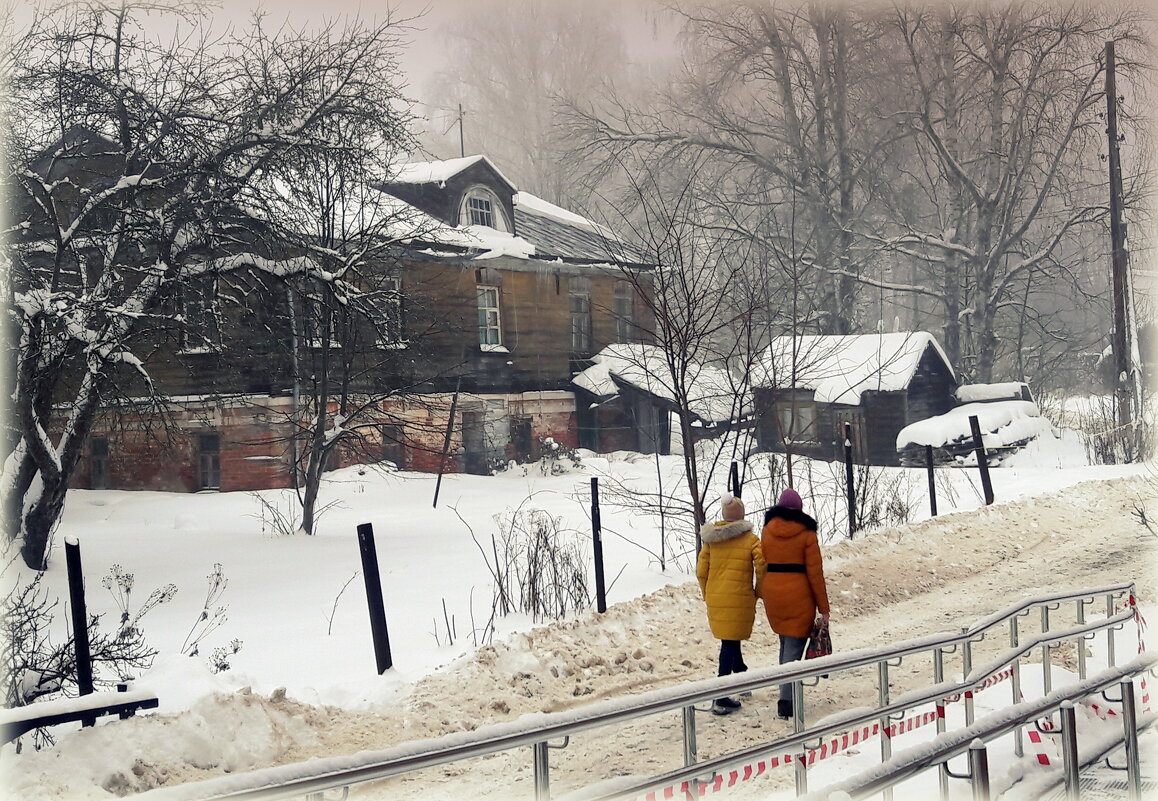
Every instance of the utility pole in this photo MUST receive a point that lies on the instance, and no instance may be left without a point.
(1123, 366)
(461, 140)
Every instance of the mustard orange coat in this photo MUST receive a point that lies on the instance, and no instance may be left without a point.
(729, 569)
(791, 600)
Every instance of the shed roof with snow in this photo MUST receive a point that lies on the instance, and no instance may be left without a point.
(713, 392)
(840, 368)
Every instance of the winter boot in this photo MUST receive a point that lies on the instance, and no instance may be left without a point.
(724, 706)
(784, 709)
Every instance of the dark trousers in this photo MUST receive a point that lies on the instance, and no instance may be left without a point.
(730, 659)
(791, 649)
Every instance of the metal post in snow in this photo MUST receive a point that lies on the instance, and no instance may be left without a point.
(932, 483)
(446, 442)
(982, 463)
(374, 598)
(848, 477)
(79, 620)
(1130, 725)
(979, 770)
(1069, 748)
(597, 540)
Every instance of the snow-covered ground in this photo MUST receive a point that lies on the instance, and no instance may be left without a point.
(304, 683)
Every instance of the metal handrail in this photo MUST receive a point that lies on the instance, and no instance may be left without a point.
(919, 759)
(840, 722)
(291, 781)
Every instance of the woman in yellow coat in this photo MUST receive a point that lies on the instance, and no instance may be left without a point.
(729, 568)
(794, 589)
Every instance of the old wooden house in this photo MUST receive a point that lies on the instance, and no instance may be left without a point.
(809, 387)
(486, 310)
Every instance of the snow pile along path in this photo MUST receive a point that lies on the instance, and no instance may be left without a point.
(933, 576)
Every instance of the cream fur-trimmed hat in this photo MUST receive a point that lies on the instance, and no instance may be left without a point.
(732, 508)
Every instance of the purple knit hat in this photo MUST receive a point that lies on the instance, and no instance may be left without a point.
(790, 499)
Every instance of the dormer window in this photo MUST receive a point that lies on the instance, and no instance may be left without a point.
(481, 206)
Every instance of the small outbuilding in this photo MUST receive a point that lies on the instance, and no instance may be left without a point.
(807, 388)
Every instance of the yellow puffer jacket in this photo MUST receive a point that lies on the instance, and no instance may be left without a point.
(730, 567)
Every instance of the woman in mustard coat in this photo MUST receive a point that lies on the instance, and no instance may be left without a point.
(729, 568)
(793, 590)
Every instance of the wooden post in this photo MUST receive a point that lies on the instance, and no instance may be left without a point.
(446, 442)
(848, 478)
(79, 620)
(982, 464)
(374, 598)
(932, 484)
(597, 540)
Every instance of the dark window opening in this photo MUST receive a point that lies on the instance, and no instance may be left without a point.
(208, 461)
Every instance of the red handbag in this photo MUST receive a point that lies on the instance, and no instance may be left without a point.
(819, 640)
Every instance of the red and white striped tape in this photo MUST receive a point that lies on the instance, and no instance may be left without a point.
(695, 788)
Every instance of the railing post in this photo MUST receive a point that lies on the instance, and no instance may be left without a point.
(801, 772)
(691, 751)
(1130, 724)
(979, 770)
(1081, 642)
(1015, 683)
(886, 738)
(798, 706)
(938, 677)
(966, 669)
(1046, 648)
(542, 772)
(1069, 746)
(1110, 632)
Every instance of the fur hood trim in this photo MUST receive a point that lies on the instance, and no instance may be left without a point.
(724, 530)
(791, 515)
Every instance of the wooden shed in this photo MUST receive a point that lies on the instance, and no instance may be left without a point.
(808, 387)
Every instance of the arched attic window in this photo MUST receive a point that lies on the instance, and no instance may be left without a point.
(481, 206)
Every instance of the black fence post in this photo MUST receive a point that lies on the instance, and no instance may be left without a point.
(848, 478)
(446, 443)
(982, 463)
(79, 620)
(374, 598)
(597, 539)
(734, 480)
(932, 484)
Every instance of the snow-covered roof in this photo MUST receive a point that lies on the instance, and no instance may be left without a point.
(439, 172)
(1008, 390)
(1002, 423)
(839, 368)
(712, 391)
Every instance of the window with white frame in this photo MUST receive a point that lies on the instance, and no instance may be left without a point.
(624, 312)
(388, 304)
(797, 421)
(489, 322)
(481, 206)
(201, 328)
(579, 297)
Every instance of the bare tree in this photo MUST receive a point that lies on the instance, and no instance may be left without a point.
(508, 65)
(1006, 132)
(132, 160)
(694, 293)
(781, 99)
